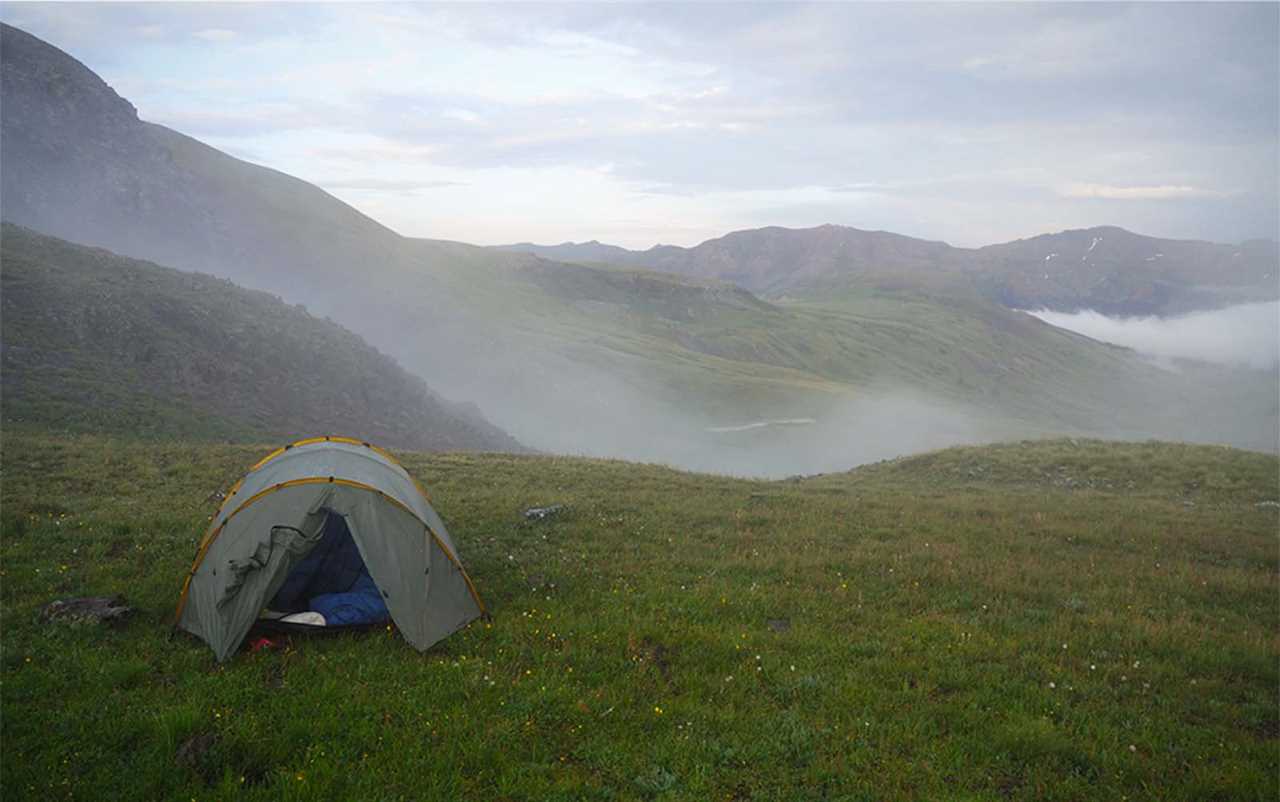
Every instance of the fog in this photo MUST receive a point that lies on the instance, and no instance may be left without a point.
(572, 366)
(578, 400)
(1247, 335)
(628, 410)
(851, 433)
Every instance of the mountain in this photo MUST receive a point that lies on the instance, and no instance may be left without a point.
(1106, 269)
(79, 164)
(859, 336)
(1115, 271)
(593, 251)
(97, 342)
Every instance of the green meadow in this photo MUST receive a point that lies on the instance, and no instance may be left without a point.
(1056, 619)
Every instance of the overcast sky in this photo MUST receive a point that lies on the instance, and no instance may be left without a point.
(639, 124)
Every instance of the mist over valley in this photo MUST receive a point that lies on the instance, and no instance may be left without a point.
(1245, 335)
(883, 344)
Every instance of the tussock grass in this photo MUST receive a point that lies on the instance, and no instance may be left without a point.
(1043, 620)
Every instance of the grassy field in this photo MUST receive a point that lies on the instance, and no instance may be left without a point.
(1051, 620)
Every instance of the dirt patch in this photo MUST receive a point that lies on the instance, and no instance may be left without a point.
(1009, 785)
(647, 651)
(273, 676)
(1267, 729)
(47, 509)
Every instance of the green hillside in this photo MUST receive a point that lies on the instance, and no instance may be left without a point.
(97, 342)
(702, 355)
(1036, 621)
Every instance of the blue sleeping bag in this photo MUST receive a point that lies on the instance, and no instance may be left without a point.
(332, 580)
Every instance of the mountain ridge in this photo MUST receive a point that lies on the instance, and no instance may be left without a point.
(1195, 274)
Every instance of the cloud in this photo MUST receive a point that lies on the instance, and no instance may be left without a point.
(1162, 192)
(257, 118)
(389, 185)
(987, 122)
(216, 35)
(1246, 334)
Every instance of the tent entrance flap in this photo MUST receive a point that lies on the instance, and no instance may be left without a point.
(293, 543)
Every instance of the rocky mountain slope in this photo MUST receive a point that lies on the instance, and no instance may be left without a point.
(1115, 271)
(80, 165)
(1106, 269)
(97, 342)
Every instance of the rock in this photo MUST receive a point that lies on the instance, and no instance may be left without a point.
(87, 610)
(778, 624)
(540, 513)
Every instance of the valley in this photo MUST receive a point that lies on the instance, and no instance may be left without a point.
(893, 344)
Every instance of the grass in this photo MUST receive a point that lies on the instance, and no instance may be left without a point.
(1041, 620)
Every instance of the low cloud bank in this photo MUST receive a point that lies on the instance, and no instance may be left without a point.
(1244, 335)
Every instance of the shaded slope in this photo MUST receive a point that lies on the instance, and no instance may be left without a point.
(94, 341)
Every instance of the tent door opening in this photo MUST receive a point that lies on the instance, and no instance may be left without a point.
(331, 586)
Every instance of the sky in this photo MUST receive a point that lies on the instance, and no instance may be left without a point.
(646, 124)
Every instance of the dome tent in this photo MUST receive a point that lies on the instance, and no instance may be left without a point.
(275, 516)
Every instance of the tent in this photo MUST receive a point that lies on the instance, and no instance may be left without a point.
(305, 497)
